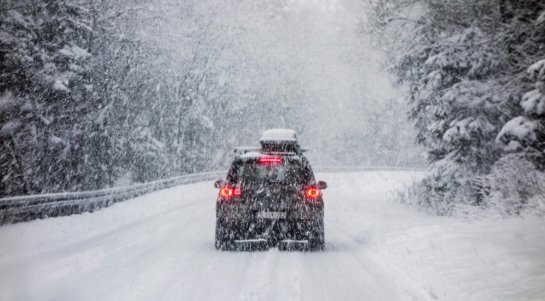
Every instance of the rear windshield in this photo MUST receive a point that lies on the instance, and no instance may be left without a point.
(252, 172)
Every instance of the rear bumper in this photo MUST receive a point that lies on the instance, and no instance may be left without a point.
(272, 230)
(264, 244)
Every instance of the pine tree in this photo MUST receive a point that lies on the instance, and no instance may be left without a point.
(463, 63)
(45, 74)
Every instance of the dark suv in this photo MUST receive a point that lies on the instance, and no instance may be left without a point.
(270, 198)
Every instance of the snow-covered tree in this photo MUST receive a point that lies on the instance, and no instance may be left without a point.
(516, 180)
(463, 63)
(45, 79)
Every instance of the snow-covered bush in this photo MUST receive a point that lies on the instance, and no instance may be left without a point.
(446, 190)
(515, 185)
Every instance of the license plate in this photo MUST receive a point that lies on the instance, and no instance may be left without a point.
(271, 215)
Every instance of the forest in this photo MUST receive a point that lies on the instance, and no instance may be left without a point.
(96, 94)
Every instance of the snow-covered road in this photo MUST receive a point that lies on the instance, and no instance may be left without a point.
(160, 247)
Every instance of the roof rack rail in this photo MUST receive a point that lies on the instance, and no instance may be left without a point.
(289, 152)
(240, 150)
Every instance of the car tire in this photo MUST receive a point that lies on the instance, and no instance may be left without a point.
(317, 240)
(224, 237)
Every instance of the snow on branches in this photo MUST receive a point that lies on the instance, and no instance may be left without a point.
(527, 133)
(533, 102)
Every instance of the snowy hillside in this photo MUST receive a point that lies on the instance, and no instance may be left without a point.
(160, 247)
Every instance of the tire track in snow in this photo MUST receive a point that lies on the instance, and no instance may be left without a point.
(383, 273)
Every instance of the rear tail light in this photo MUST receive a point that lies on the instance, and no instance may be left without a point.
(312, 192)
(270, 160)
(228, 192)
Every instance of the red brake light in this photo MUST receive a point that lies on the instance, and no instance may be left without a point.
(228, 192)
(312, 192)
(270, 160)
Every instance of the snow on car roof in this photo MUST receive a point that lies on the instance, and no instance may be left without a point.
(279, 135)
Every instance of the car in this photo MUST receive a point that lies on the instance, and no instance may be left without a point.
(270, 198)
